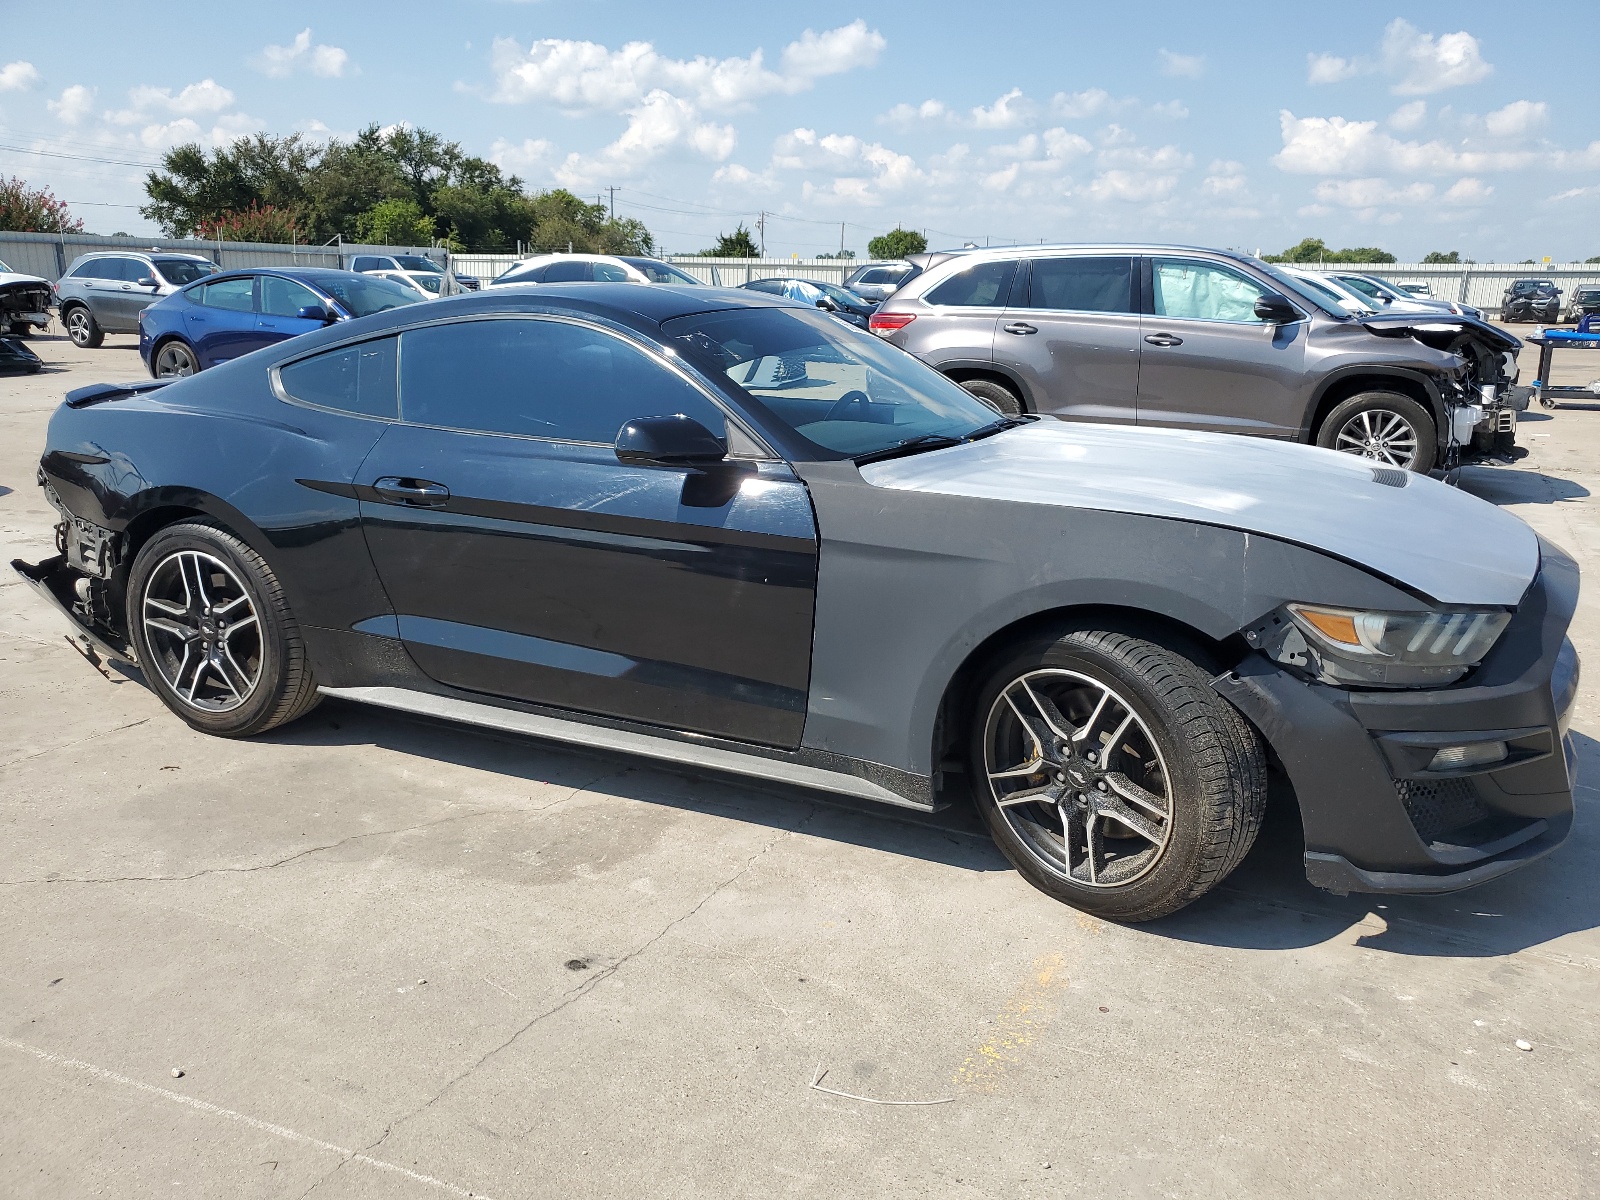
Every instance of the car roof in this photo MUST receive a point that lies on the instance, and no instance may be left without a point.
(140, 253)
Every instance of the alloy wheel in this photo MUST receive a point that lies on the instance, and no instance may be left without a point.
(1379, 434)
(174, 362)
(1076, 774)
(78, 326)
(203, 631)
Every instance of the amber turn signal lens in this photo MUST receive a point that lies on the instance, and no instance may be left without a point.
(1335, 626)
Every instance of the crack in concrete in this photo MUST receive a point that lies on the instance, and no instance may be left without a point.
(310, 850)
(588, 985)
(69, 745)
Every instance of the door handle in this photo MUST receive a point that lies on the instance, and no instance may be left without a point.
(1164, 339)
(1020, 327)
(418, 493)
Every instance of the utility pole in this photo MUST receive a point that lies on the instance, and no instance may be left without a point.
(761, 228)
(613, 192)
(841, 239)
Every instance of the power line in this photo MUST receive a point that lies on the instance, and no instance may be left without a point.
(115, 162)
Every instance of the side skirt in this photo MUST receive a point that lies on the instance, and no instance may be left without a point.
(776, 766)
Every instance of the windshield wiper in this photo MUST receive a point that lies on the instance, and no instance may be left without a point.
(923, 441)
(994, 427)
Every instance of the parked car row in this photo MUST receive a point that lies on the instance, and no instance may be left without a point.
(724, 529)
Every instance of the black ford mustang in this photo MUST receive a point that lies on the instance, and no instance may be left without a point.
(726, 530)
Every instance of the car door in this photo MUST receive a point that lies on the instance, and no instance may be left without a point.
(524, 560)
(1208, 361)
(279, 302)
(221, 324)
(966, 308)
(116, 297)
(1072, 334)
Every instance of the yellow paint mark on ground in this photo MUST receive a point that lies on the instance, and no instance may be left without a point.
(1031, 1007)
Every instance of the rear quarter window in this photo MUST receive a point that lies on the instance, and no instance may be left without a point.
(985, 285)
(354, 379)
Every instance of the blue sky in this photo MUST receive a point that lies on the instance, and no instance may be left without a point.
(1412, 127)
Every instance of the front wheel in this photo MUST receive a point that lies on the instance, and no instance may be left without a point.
(1112, 775)
(213, 632)
(1384, 426)
(174, 360)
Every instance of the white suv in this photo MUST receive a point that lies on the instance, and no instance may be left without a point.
(592, 268)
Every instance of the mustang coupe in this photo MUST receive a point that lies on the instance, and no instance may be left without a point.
(727, 531)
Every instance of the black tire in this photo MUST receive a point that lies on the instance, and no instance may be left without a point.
(82, 328)
(1376, 412)
(20, 329)
(1211, 767)
(204, 558)
(172, 359)
(996, 395)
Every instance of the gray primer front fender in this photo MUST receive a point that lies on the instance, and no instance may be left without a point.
(910, 583)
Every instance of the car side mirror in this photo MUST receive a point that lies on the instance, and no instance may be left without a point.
(826, 304)
(315, 312)
(1275, 307)
(147, 281)
(674, 441)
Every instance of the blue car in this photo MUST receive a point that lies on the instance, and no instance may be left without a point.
(224, 316)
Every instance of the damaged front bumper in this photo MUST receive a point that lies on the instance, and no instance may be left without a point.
(1377, 816)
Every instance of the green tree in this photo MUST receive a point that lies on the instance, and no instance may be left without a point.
(25, 209)
(1441, 256)
(897, 243)
(840, 254)
(258, 223)
(1363, 254)
(395, 222)
(1595, 259)
(1315, 250)
(738, 244)
(193, 186)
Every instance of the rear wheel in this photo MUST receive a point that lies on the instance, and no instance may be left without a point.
(996, 395)
(82, 328)
(214, 634)
(174, 360)
(1388, 428)
(1112, 775)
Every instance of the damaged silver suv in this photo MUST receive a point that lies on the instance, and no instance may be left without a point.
(1207, 339)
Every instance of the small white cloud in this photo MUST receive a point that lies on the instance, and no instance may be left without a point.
(1467, 191)
(74, 104)
(833, 52)
(1171, 110)
(1582, 193)
(1224, 178)
(1517, 119)
(906, 115)
(1370, 193)
(1182, 66)
(19, 76)
(1076, 105)
(207, 96)
(528, 155)
(330, 62)
(1007, 112)
(1423, 64)
(1131, 186)
(1409, 116)
(1329, 68)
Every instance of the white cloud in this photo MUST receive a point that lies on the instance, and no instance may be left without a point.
(1163, 158)
(1370, 193)
(1467, 191)
(1581, 193)
(1182, 66)
(1329, 68)
(1517, 119)
(1171, 110)
(904, 115)
(589, 77)
(1131, 186)
(1409, 116)
(862, 171)
(1077, 105)
(1423, 64)
(198, 99)
(75, 103)
(1336, 146)
(1224, 179)
(1007, 112)
(330, 62)
(521, 158)
(1058, 143)
(659, 123)
(19, 76)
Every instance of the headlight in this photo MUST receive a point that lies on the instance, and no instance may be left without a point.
(1352, 648)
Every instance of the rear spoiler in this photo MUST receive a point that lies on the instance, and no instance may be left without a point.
(96, 393)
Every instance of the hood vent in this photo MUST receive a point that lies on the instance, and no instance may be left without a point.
(1390, 477)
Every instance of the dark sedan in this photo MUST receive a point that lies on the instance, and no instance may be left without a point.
(846, 305)
(725, 530)
(228, 315)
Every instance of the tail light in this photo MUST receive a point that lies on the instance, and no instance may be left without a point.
(883, 323)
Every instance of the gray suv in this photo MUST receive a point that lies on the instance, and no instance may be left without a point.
(1206, 339)
(105, 292)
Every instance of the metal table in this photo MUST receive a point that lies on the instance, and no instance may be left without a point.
(1549, 342)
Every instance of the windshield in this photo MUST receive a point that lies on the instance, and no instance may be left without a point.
(1529, 287)
(1326, 293)
(364, 295)
(416, 262)
(182, 271)
(839, 295)
(1323, 297)
(6, 269)
(660, 272)
(845, 392)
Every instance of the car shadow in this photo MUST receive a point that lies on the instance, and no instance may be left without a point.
(953, 837)
(1515, 485)
(1267, 904)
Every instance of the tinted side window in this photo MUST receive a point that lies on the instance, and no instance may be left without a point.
(357, 379)
(131, 270)
(285, 297)
(984, 284)
(771, 286)
(88, 270)
(369, 263)
(235, 295)
(546, 379)
(568, 271)
(1202, 291)
(1083, 284)
(609, 273)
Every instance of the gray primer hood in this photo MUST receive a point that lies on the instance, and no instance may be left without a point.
(1434, 539)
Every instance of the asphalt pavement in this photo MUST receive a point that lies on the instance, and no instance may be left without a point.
(369, 956)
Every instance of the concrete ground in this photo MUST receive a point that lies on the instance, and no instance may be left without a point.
(396, 959)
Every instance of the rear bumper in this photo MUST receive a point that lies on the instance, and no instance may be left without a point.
(1376, 818)
(56, 581)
